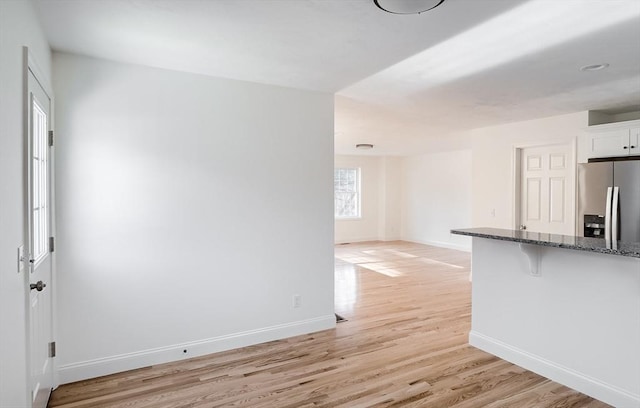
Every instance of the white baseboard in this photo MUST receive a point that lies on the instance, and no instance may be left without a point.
(119, 363)
(587, 385)
(441, 244)
(376, 239)
(354, 240)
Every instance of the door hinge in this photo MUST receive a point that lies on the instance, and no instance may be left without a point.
(52, 349)
(51, 138)
(52, 244)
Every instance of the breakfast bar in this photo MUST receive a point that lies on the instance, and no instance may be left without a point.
(565, 307)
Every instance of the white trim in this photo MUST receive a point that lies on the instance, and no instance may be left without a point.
(441, 244)
(574, 172)
(516, 178)
(354, 240)
(587, 385)
(109, 365)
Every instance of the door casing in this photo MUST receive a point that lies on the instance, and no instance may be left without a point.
(31, 67)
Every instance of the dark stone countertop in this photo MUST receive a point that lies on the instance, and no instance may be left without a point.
(621, 248)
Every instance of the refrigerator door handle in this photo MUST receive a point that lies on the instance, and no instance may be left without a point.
(607, 215)
(614, 214)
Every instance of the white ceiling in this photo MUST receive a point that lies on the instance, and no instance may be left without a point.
(399, 79)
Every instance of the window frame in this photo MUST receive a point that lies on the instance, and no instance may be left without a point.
(358, 194)
(39, 173)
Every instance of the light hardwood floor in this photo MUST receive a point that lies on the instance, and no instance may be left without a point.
(405, 344)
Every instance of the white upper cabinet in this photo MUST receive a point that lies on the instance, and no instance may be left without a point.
(634, 141)
(614, 140)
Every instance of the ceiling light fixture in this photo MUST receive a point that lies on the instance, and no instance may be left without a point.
(594, 67)
(364, 146)
(407, 6)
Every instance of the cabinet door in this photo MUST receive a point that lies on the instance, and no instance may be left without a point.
(634, 141)
(610, 143)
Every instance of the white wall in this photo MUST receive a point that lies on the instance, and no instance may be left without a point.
(437, 198)
(381, 202)
(493, 161)
(390, 193)
(468, 180)
(19, 27)
(191, 210)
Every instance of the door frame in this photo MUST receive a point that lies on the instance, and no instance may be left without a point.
(516, 174)
(30, 65)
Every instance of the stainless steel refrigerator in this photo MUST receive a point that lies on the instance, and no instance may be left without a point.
(609, 200)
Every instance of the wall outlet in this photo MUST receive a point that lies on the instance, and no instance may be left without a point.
(297, 301)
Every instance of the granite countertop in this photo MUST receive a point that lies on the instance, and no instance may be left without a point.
(620, 248)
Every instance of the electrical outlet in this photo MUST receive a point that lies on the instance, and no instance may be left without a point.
(297, 301)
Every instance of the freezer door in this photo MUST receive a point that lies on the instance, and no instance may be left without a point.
(626, 176)
(593, 180)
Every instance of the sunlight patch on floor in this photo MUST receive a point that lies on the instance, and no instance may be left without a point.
(434, 262)
(382, 269)
(394, 252)
(357, 259)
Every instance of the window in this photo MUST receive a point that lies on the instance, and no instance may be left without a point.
(346, 187)
(39, 178)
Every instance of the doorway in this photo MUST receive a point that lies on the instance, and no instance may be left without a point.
(545, 189)
(39, 233)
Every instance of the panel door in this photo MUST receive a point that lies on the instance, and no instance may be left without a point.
(39, 231)
(547, 189)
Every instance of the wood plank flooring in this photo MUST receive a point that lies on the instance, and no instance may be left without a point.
(408, 308)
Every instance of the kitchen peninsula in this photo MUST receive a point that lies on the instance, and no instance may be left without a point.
(565, 307)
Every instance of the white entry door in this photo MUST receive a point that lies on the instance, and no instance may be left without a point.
(547, 188)
(41, 350)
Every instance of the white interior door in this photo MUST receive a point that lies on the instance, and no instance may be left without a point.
(547, 188)
(39, 232)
